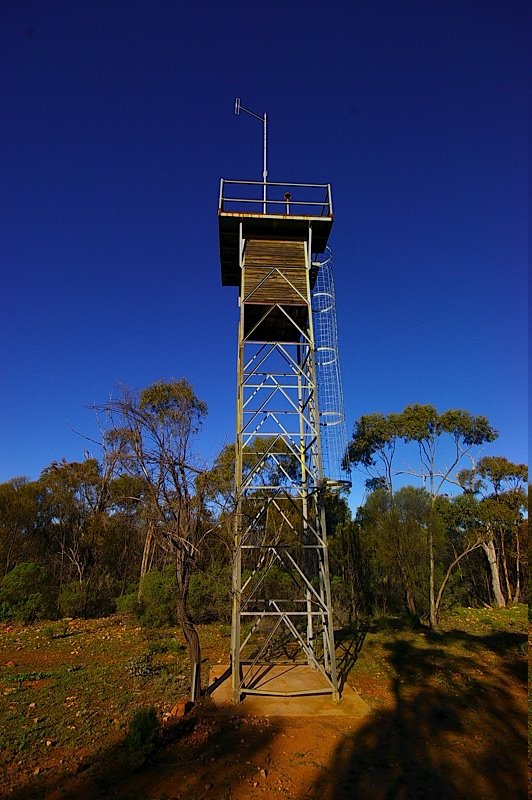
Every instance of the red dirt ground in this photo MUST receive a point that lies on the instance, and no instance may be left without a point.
(448, 723)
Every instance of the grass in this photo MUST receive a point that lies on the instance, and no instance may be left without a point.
(463, 632)
(61, 696)
(475, 620)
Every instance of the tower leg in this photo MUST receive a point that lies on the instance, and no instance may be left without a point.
(235, 626)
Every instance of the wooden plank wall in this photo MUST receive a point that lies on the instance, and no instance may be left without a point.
(274, 271)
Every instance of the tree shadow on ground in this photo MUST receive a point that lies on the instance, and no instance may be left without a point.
(457, 728)
(348, 644)
(204, 754)
(350, 639)
(509, 645)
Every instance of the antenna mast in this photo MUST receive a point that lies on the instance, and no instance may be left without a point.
(264, 119)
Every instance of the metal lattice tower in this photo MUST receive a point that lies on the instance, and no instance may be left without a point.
(282, 612)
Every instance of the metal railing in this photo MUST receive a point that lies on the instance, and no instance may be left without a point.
(279, 199)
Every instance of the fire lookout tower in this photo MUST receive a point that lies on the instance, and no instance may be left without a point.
(273, 244)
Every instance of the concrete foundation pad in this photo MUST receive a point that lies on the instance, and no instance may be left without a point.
(280, 680)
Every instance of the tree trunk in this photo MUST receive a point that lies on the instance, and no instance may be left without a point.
(354, 590)
(148, 542)
(491, 555)
(517, 593)
(410, 603)
(433, 615)
(409, 595)
(447, 575)
(505, 567)
(189, 632)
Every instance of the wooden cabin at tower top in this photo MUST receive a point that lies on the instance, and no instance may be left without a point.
(277, 212)
(267, 249)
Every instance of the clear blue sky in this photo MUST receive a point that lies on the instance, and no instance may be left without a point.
(117, 126)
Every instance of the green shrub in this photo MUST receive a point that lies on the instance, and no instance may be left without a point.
(128, 603)
(141, 737)
(88, 598)
(274, 583)
(72, 599)
(175, 647)
(142, 666)
(157, 607)
(26, 594)
(57, 631)
(209, 597)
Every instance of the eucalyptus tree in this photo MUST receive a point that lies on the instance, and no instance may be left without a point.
(500, 486)
(21, 523)
(74, 495)
(393, 528)
(150, 434)
(464, 534)
(423, 430)
(124, 545)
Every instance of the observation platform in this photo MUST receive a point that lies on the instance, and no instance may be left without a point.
(276, 211)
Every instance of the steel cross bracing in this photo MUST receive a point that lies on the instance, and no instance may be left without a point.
(281, 590)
